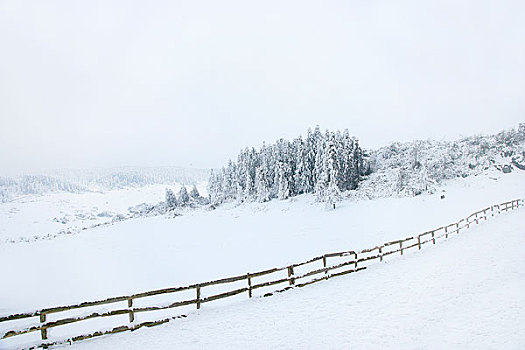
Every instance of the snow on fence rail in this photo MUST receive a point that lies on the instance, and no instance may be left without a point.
(269, 281)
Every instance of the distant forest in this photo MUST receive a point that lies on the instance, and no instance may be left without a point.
(78, 181)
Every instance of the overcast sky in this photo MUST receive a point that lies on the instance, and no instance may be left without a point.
(115, 83)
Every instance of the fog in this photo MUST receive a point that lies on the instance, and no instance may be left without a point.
(189, 83)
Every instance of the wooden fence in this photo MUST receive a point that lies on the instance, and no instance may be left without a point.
(277, 279)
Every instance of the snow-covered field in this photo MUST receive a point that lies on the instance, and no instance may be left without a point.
(37, 217)
(156, 252)
(464, 293)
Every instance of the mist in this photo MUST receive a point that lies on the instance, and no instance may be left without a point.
(189, 83)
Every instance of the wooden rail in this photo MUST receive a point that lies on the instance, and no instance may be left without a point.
(350, 264)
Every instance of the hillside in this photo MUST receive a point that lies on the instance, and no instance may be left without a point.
(332, 165)
(95, 180)
(409, 169)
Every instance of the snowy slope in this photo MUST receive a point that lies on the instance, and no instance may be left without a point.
(464, 293)
(150, 253)
(95, 180)
(37, 217)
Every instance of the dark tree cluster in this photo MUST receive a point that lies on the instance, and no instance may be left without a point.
(326, 164)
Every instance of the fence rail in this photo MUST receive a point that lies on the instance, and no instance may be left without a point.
(291, 278)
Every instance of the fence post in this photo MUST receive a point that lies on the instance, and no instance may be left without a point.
(457, 228)
(249, 285)
(380, 254)
(446, 231)
(433, 239)
(477, 222)
(43, 331)
(131, 314)
(355, 259)
(419, 242)
(290, 273)
(324, 264)
(401, 247)
(198, 297)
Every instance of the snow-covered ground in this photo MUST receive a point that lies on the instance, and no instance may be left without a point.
(464, 293)
(156, 252)
(36, 217)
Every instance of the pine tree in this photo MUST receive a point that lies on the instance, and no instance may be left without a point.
(357, 160)
(347, 161)
(184, 198)
(320, 174)
(285, 169)
(171, 200)
(194, 193)
(301, 172)
(332, 173)
(309, 159)
(231, 181)
(263, 175)
(284, 181)
(216, 190)
(249, 188)
(262, 185)
(213, 187)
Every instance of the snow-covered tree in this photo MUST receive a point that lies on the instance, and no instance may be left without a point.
(262, 186)
(332, 171)
(194, 193)
(286, 169)
(284, 181)
(171, 200)
(184, 198)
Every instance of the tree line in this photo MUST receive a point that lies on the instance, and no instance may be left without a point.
(326, 164)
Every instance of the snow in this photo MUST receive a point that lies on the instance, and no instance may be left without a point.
(36, 217)
(464, 293)
(143, 254)
(95, 180)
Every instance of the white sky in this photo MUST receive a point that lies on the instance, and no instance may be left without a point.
(112, 83)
